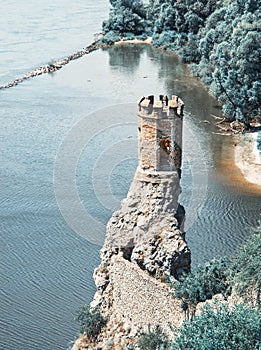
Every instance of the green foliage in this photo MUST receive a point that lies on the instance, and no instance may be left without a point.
(220, 276)
(220, 38)
(91, 322)
(110, 38)
(233, 60)
(153, 340)
(203, 283)
(126, 17)
(247, 267)
(218, 327)
(259, 138)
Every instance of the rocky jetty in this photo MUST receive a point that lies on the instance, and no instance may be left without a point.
(53, 67)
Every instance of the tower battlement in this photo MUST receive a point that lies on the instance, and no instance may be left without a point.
(160, 133)
(164, 107)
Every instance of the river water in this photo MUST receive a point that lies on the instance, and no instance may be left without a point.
(69, 144)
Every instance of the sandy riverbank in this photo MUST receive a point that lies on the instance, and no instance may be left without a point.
(238, 165)
(248, 158)
(134, 41)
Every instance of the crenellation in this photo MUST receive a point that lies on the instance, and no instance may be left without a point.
(164, 99)
(145, 103)
(158, 104)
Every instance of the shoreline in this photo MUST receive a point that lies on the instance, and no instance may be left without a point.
(247, 158)
(134, 41)
(235, 167)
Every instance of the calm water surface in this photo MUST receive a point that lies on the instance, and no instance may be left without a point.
(88, 107)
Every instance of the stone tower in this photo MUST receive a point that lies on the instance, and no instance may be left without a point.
(160, 134)
(145, 240)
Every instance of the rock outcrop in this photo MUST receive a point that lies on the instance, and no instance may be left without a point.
(145, 245)
(143, 249)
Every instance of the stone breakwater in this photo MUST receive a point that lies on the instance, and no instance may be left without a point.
(53, 67)
(144, 247)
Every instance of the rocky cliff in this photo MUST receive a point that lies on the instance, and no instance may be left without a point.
(144, 249)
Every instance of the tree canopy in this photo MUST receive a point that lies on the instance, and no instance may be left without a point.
(202, 284)
(247, 267)
(220, 39)
(219, 327)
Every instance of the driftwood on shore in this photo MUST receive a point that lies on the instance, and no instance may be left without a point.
(53, 67)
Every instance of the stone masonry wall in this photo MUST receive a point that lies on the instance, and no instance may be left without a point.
(137, 302)
(147, 150)
(160, 133)
(142, 301)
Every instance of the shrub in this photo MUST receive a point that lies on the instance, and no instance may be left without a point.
(247, 270)
(91, 321)
(110, 38)
(219, 328)
(153, 340)
(203, 283)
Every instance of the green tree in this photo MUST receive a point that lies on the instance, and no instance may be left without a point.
(126, 17)
(229, 43)
(153, 340)
(221, 39)
(202, 284)
(219, 327)
(91, 321)
(247, 267)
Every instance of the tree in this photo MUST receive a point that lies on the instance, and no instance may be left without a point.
(91, 322)
(202, 284)
(230, 45)
(247, 267)
(153, 340)
(220, 38)
(219, 327)
(126, 17)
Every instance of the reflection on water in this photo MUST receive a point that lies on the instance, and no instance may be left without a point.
(47, 268)
(226, 214)
(165, 73)
(126, 57)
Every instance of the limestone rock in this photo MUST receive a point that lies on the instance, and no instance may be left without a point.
(150, 235)
(145, 245)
